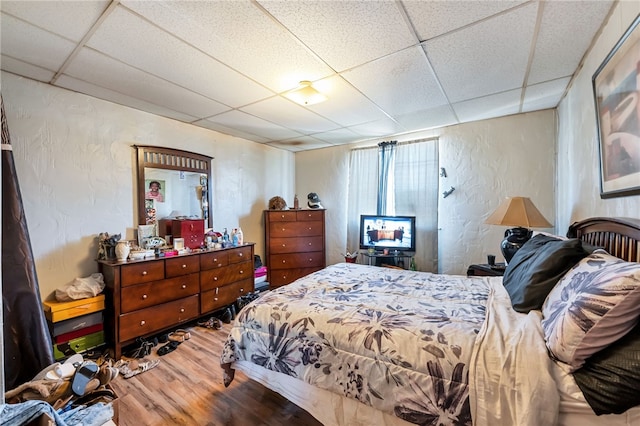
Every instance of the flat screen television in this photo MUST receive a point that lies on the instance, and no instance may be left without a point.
(388, 232)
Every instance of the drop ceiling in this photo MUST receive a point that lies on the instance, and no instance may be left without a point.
(387, 67)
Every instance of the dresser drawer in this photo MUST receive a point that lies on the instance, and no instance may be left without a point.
(280, 277)
(216, 259)
(218, 277)
(282, 216)
(297, 260)
(139, 273)
(146, 321)
(181, 266)
(295, 229)
(307, 215)
(296, 244)
(149, 294)
(240, 254)
(220, 297)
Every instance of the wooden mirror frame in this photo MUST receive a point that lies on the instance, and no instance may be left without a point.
(170, 159)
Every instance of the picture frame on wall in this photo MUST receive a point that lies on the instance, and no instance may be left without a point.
(616, 88)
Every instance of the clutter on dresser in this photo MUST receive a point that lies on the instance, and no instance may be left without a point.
(107, 245)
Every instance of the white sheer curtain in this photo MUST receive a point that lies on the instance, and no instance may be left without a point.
(416, 182)
(363, 191)
(415, 176)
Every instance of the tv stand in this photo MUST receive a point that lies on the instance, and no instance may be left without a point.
(394, 258)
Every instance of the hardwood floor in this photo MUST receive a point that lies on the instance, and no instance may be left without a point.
(186, 388)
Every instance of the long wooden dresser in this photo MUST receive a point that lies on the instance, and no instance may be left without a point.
(294, 244)
(145, 297)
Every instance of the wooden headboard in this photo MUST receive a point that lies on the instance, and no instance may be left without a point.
(619, 236)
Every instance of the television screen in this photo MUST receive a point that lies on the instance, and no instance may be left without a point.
(391, 232)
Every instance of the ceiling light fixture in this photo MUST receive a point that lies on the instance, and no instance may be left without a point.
(305, 94)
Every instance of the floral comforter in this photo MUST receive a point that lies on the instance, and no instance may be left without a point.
(400, 341)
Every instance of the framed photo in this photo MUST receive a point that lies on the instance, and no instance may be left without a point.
(616, 88)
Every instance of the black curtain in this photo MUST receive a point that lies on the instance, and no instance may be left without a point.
(27, 343)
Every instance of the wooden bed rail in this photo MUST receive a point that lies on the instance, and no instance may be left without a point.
(619, 236)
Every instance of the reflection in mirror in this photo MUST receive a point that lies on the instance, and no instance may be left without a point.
(172, 184)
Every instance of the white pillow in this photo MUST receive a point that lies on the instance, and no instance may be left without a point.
(593, 305)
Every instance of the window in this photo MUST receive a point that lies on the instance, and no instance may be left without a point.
(412, 190)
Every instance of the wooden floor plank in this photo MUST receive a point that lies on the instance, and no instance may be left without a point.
(187, 388)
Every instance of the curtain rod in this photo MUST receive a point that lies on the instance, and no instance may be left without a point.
(433, 138)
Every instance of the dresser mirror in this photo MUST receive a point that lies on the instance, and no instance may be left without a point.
(172, 183)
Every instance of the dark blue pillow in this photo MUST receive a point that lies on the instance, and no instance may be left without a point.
(536, 268)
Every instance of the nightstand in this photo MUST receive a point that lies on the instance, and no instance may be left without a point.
(486, 270)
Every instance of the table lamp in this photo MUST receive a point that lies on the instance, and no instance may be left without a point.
(521, 213)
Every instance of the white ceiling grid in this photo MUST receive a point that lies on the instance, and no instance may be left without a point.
(387, 67)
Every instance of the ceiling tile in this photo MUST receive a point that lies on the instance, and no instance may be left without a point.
(433, 117)
(230, 131)
(303, 143)
(33, 45)
(378, 128)
(364, 30)
(70, 19)
(220, 29)
(338, 136)
(253, 125)
(288, 114)
(432, 18)
(544, 95)
(119, 98)
(98, 69)
(566, 32)
(496, 105)
(22, 68)
(407, 83)
(494, 52)
(345, 104)
(130, 39)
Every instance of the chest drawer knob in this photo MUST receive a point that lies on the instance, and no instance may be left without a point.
(143, 322)
(241, 272)
(310, 259)
(215, 260)
(284, 261)
(284, 245)
(144, 296)
(240, 254)
(181, 310)
(242, 290)
(184, 286)
(309, 244)
(215, 278)
(144, 273)
(184, 266)
(215, 299)
(310, 228)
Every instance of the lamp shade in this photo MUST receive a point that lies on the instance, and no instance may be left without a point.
(518, 211)
(521, 213)
(305, 94)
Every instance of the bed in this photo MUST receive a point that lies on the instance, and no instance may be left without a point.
(361, 345)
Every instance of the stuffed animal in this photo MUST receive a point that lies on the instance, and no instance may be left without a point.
(277, 203)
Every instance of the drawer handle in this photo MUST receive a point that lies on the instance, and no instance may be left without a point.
(282, 229)
(184, 286)
(144, 296)
(181, 310)
(284, 261)
(310, 228)
(242, 290)
(240, 254)
(215, 299)
(143, 322)
(215, 278)
(282, 216)
(284, 245)
(241, 272)
(215, 260)
(310, 259)
(309, 244)
(144, 272)
(184, 266)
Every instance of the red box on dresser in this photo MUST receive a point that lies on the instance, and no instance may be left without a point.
(192, 230)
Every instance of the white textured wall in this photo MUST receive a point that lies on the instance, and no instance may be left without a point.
(76, 170)
(578, 192)
(486, 161)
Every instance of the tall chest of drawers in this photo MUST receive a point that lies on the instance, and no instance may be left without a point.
(294, 244)
(145, 297)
